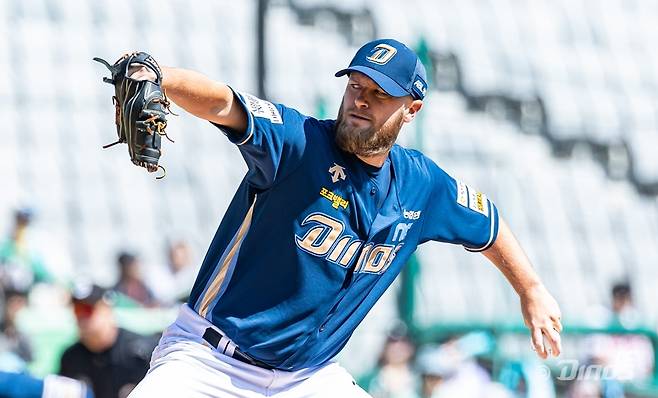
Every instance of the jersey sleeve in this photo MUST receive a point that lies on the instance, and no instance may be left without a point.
(458, 213)
(273, 143)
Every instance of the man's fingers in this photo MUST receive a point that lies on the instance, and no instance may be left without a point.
(554, 340)
(557, 323)
(538, 343)
(141, 72)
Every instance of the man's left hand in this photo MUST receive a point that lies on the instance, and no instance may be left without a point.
(541, 315)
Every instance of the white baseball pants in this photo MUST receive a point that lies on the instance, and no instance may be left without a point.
(185, 365)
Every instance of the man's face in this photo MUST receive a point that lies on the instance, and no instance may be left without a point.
(369, 119)
(132, 270)
(179, 256)
(92, 318)
(96, 326)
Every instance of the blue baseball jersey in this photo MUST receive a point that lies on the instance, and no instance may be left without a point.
(304, 250)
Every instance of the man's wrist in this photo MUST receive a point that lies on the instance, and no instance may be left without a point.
(167, 77)
(530, 288)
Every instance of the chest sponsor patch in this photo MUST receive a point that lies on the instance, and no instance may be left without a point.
(411, 215)
(336, 200)
(262, 108)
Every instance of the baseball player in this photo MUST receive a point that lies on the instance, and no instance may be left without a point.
(322, 223)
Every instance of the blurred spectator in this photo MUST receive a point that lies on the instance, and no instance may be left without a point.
(20, 265)
(394, 377)
(527, 378)
(12, 342)
(131, 283)
(451, 370)
(433, 369)
(429, 382)
(585, 389)
(623, 311)
(110, 359)
(21, 385)
(173, 282)
(625, 356)
(593, 388)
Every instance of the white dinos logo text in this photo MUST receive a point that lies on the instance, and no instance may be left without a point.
(325, 239)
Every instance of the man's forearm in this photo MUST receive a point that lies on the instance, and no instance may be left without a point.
(540, 311)
(203, 97)
(509, 257)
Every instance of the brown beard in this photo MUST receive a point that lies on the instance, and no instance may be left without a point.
(366, 141)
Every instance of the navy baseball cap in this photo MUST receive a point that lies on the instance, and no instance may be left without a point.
(392, 65)
(90, 294)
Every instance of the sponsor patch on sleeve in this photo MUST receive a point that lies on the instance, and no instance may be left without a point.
(262, 108)
(472, 199)
(462, 194)
(478, 202)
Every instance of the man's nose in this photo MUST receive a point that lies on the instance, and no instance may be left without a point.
(360, 100)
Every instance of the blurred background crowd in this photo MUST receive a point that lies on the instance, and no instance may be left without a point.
(550, 107)
(92, 347)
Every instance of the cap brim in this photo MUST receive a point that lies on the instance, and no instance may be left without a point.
(91, 296)
(386, 83)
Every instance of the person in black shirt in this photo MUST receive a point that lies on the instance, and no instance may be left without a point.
(110, 359)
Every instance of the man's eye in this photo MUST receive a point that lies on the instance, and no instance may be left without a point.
(355, 86)
(382, 94)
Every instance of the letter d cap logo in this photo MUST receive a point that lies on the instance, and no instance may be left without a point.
(381, 54)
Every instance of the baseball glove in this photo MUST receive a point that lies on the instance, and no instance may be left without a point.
(140, 108)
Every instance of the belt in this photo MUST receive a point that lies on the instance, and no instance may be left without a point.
(214, 338)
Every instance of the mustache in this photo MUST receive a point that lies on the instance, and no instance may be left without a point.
(360, 115)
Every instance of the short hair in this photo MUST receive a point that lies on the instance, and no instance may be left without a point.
(621, 290)
(126, 258)
(24, 214)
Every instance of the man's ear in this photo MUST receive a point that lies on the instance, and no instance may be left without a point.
(412, 110)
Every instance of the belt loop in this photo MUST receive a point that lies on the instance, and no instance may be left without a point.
(227, 347)
(230, 349)
(223, 342)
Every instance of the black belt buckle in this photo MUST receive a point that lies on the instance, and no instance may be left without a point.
(213, 337)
